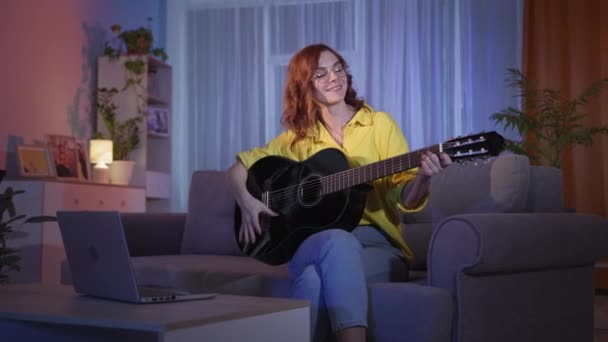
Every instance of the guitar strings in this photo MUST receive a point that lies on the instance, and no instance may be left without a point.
(337, 178)
(330, 182)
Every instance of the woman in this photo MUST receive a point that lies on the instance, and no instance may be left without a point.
(331, 268)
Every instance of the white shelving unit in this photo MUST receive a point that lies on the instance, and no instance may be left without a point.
(153, 157)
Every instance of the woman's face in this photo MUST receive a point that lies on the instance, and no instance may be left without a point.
(329, 80)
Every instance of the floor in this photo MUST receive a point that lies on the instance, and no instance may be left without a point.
(601, 318)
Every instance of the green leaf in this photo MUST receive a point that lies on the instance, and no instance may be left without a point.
(40, 219)
(14, 218)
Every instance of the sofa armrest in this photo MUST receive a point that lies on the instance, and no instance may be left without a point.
(154, 234)
(478, 244)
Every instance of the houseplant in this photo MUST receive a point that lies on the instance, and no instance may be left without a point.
(135, 45)
(137, 41)
(554, 123)
(125, 135)
(9, 257)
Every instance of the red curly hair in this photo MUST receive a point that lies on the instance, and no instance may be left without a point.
(300, 108)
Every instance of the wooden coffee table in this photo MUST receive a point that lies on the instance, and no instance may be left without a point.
(56, 313)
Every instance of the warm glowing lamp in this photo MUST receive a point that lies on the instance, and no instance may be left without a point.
(101, 155)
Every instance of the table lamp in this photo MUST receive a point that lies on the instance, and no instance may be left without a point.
(101, 155)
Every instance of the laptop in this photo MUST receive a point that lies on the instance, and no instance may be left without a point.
(99, 260)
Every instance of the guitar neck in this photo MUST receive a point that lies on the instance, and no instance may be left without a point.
(367, 173)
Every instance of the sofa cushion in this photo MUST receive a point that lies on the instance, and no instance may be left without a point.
(210, 218)
(546, 188)
(498, 184)
(417, 237)
(431, 322)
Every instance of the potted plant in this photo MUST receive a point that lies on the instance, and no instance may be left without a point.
(125, 135)
(9, 257)
(554, 123)
(137, 44)
(137, 41)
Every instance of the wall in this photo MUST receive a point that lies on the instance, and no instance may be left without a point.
(48, 64)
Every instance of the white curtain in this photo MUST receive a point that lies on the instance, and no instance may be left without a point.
(437, 66)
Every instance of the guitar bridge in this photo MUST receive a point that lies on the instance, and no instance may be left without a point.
(264, 222)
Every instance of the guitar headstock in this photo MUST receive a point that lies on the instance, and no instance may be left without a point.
(473, 146)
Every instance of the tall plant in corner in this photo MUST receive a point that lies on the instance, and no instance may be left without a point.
(554, 122)
(9, 257)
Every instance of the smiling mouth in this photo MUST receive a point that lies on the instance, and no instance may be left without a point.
(337, 87)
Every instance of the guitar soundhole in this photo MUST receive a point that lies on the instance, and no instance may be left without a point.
(309, 191)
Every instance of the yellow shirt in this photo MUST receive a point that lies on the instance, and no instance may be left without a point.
(369, 137)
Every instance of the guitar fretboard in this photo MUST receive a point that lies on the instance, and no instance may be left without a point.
(367, 173)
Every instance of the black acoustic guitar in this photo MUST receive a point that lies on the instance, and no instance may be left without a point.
(322, 192)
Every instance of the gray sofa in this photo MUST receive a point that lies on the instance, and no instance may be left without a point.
(496, 257)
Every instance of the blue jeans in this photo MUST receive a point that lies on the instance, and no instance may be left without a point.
(332, 268)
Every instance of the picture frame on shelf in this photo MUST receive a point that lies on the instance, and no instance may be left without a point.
(35, 161)
(157, 121)
(84, 162)
(64, 152)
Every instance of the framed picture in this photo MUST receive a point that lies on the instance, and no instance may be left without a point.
(35, 161)
(84, 164)
(64, 152)
(158, 121)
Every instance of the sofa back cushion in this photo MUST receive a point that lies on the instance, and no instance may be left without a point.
(498, 184)
(209, 225)
(546, 190)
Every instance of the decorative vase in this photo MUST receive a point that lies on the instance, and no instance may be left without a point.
(121, 172)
